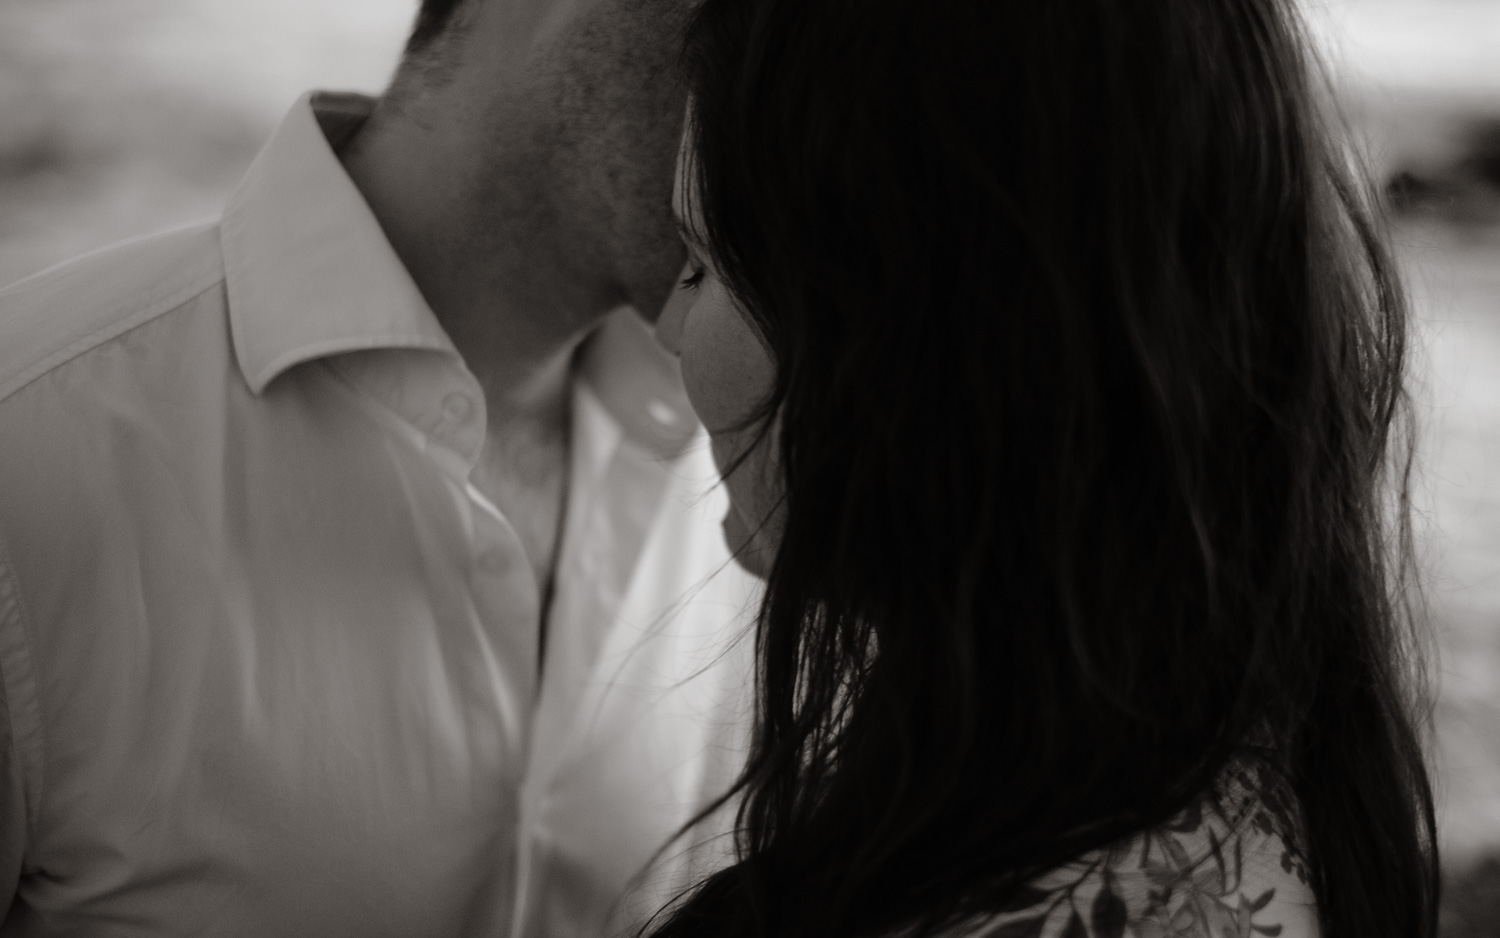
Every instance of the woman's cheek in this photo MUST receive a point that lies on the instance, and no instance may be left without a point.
(725, 369)
(727, 374)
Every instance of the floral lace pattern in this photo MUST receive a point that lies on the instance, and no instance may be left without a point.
(1232, 865)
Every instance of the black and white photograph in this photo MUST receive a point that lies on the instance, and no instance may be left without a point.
(750, 468)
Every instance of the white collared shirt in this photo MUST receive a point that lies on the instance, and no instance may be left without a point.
(269, 661)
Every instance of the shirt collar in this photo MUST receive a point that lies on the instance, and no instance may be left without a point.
(308, 270)
(310, 274)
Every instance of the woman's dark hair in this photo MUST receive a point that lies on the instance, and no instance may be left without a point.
(1095, 453)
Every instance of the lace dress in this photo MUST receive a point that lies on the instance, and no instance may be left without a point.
(1231, 865)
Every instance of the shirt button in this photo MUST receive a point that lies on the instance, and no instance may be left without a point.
(458, 407)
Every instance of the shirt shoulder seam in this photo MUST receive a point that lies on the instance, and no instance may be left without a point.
(195, 288)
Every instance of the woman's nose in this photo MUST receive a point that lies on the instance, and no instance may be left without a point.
(673, 314)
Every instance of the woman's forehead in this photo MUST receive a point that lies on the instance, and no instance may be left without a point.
(684, 193)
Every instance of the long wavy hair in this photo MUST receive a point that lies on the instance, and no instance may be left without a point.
(1095, 452)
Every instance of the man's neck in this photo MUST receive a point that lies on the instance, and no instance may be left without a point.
(480, 227)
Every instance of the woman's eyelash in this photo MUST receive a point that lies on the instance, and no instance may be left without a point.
(691, 281)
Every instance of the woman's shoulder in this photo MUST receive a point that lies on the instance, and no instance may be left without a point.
(1231, 865)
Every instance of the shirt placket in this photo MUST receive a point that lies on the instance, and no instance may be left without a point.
(502, 582)
(437, 405)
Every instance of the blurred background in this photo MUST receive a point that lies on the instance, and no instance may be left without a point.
(120, 117)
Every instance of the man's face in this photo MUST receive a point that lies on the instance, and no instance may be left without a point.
(602, 98)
